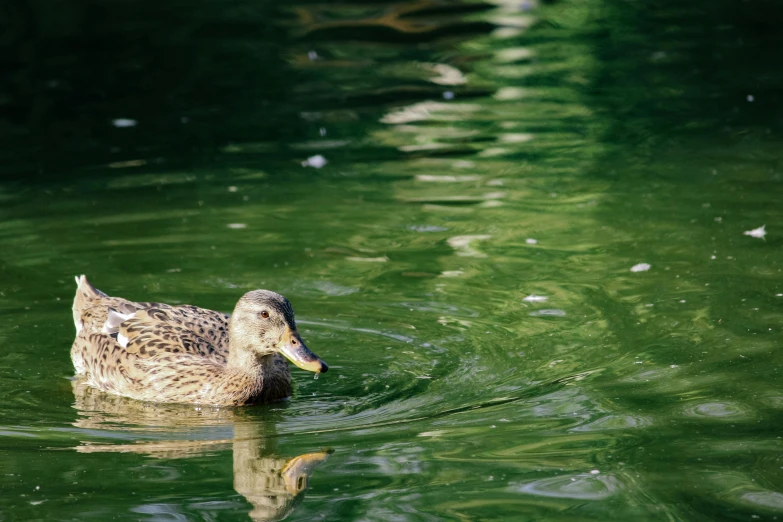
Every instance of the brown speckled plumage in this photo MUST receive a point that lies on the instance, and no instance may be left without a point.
(162, 353)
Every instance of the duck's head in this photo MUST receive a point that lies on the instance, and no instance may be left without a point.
(263, 323)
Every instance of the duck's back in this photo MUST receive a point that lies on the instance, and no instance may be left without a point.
(153, 351)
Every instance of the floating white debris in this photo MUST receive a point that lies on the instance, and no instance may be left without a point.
(124, 122)
(594, 472)
(757, 232)
(312, 55)
(533, 298)
(641, 267)
(236, 225)
(232, 189)
(448, 95)
(750, 98)
(316, 161)
(531, 241)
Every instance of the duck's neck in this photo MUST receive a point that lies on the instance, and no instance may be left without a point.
(243, 352)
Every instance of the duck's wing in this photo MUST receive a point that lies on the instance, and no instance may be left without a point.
(157, 329)
(161, 372)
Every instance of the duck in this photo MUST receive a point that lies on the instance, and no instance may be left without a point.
(163, 353)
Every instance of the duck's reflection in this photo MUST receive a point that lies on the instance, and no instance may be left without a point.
(272, 484)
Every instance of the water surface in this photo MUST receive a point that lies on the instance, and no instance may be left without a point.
(515, 232)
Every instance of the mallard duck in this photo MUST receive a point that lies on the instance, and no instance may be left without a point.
(161, 353)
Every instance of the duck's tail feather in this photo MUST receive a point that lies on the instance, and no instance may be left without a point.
(113, 321)
(85, 293)
(87, 288)
(112, 325)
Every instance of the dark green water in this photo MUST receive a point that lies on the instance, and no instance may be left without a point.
(477, 155)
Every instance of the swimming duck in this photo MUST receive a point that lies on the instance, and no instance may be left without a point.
(185, 354)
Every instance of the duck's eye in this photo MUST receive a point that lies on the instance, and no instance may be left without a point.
(265, 314)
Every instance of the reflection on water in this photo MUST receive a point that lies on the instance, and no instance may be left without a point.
(272, 484)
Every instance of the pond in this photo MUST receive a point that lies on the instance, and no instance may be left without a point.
(540, 247)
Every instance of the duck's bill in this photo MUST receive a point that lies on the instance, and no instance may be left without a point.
(292, 347)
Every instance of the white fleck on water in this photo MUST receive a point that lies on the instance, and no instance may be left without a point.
(236, 225)
(124, 122)
(641, 267)
(531, 241)
(316, 161)
(532, 298)
(448, 95)
(316, 376)
(757, 232)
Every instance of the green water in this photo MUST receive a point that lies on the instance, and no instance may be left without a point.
(477, 155)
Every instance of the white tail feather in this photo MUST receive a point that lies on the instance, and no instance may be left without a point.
(113, 322)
